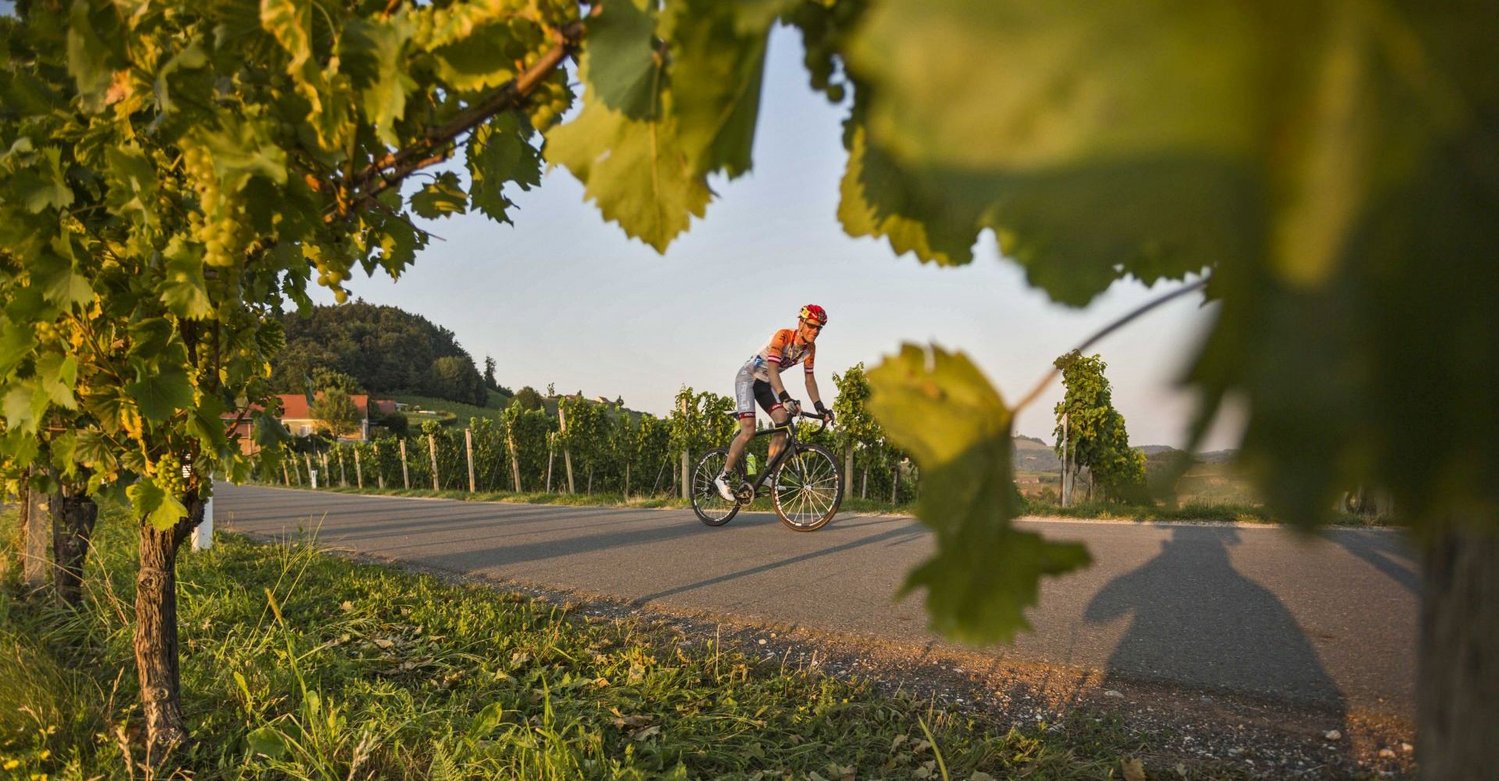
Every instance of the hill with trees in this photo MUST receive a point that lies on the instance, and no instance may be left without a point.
(384, 349)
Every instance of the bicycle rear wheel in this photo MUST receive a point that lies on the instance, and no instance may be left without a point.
(808, 488)
(711, 508)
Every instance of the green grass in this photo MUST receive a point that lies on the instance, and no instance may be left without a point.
(1209, 512)
(298, 664)
(442, 410)
(1195, 511)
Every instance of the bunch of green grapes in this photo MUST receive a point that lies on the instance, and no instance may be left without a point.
(45, 331)
(525, 39)
(334, 261)
(332, 276)
(168, 474)
(219, 227)
(559, 12)
(824, 31)
(549, 100)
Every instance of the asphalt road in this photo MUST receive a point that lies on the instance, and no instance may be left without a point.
(1330, 621)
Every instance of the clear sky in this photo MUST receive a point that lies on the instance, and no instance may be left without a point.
(564, 297)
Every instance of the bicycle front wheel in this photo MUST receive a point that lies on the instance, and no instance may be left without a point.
(808, 488)
(711, 508)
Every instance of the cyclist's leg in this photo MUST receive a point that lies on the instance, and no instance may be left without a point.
(740, 441)
(767, 398)
(744, 409)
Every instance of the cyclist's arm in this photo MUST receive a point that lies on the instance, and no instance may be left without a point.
(812, 389)
(774, 370)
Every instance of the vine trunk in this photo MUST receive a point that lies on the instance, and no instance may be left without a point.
(156, 633)
(73, 519)
(1457, 708)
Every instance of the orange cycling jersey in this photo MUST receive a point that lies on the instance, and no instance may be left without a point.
(783, 351)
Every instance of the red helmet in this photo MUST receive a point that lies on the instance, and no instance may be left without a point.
(815, 314)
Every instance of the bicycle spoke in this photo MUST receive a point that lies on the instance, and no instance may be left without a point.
(809, 490)
(711, 508)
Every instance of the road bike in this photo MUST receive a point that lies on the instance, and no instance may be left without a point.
(803, 481)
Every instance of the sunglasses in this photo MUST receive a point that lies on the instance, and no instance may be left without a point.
(813, 326)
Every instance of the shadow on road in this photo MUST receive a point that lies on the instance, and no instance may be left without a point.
(894, 536)
(1391, 554)
(1178, 602)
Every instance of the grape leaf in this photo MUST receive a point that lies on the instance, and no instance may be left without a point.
(150, 336)
(377, 67)
(132, 183)
(625, 70)
(938, 407)
(437, 27)
(184, 290)
(716, 73)
(328, 94)
(155, 506)
(635, 170)
(54, 276)
(499, 153)
(42, 185)
(945, 236)
(268, 430)
(206, 424)
(57, 374)
(475, 62)
(398, 243)
(1332, 163)
(192, 57)
(117, 413)
(758, 15)
(162, 393)
(94, 450)
(17, 340)
(1092, 153)
(441, 197)
(289, 22)
(245, 147)
(24, 405)
(93, 37)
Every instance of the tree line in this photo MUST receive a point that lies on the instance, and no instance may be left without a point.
(363, 347)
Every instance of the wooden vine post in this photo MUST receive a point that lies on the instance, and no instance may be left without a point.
(468, 446)
(514, 458)
(567, 454)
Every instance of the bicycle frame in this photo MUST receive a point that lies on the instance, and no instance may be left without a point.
(789, 429)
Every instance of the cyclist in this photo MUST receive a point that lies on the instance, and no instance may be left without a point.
(759, 379)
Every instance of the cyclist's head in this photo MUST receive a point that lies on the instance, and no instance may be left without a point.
(815, 316)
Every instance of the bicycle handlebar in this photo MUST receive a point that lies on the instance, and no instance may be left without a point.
(815, 417)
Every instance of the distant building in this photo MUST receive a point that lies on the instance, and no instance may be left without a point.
(296, 415)
(244, 429)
